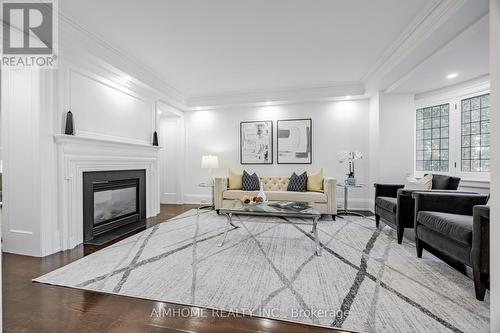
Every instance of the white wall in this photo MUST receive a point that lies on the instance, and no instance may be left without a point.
(396, 137)
(24, 146)
(495, 175)
(374, 116)
(102, 108)
(337, 126)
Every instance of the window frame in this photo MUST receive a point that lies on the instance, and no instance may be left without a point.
(454, 99)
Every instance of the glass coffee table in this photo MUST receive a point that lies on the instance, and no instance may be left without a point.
(236, 207)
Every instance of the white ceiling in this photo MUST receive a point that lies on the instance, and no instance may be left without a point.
(208, 47)
(216, 48)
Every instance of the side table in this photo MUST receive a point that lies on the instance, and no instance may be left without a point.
(346, 210)
(209, 205)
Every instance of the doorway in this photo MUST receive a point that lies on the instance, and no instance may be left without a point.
(171, 139)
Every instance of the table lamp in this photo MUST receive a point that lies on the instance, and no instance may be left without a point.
(209, 162)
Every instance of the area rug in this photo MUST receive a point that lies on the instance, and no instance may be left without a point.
(362, 281)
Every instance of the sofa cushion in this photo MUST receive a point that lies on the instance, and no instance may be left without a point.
(250, 182)
(454, 226)
(235, 180)
(298, 183)
(279, 195)
(315, 181)
(387, 203)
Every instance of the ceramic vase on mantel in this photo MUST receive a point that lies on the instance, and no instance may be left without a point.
(155, 139)
(70, 126)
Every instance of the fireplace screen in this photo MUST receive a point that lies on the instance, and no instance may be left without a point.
(114, 203)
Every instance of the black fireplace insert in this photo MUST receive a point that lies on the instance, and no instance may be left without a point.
(114, 202)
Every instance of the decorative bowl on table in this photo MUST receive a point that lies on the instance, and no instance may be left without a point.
(252, 200)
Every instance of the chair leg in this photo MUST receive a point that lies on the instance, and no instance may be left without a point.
(480, 284)
(401, 231)
(419, 247)
(377, 220)
(334, 217)
(218, 211)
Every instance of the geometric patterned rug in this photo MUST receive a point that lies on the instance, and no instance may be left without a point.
(363, 280)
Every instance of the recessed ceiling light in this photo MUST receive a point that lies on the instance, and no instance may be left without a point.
(268, 103)
(348, 97)
(452, 75)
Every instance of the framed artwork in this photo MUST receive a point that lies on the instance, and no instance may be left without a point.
(256, 142)
(295, 141)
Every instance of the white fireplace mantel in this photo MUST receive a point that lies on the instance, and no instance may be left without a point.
(77, 155)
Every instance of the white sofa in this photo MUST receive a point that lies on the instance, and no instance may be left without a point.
(276, 190)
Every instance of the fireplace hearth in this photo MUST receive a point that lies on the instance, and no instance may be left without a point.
(114, 204)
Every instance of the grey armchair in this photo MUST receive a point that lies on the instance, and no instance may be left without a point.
(396, 206)
(456, 225)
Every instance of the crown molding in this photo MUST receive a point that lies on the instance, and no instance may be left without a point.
(430, 18)
(276, 96)
(78, 41)
(456, 39)
(462, 88)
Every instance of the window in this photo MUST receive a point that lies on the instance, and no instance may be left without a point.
(453, 135)
(433, 138)
(476, 134)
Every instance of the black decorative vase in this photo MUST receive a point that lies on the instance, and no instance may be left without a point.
(70, 126)
(155, 139)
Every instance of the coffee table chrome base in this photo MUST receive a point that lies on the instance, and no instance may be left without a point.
(226, 228)
(314, 231)
(349, 212)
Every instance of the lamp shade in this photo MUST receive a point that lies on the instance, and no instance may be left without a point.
(209, 162)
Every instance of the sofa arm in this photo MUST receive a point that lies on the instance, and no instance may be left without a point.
(220, 185)
(480, 253)
(330, 189)
(453, 203)
(387, 190)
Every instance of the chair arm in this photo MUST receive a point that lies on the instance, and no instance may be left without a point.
(387, 190)
(409, 192)
(480, 253)
(220, 185)
(330, 189)
(453, 203)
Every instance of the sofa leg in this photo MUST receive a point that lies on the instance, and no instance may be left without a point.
(400, 234)
(334, 217)
(217, 211)
(480, 284)
(419, 247)
(377, 221)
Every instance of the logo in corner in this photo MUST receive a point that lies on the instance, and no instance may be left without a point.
(29, 34)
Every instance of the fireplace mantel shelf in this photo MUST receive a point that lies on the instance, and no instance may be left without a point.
(63, 138)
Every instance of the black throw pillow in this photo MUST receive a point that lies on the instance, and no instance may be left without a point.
(298, 183)
(250, 182)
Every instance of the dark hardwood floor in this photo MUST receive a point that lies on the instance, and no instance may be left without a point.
(35, 307)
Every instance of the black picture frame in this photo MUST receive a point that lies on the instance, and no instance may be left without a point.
(309, 143)
(271, 142)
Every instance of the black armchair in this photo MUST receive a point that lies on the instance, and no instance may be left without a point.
(396, 206)
(456, 225)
